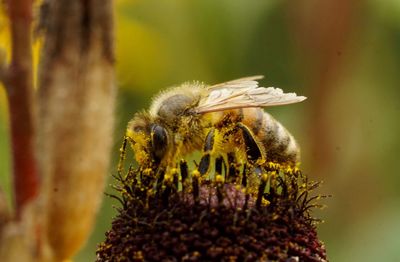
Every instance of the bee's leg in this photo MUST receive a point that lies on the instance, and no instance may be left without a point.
(253, 149)
(184, 173)
(219, 162)
(122, 156)
(208, 147)
(233, 169)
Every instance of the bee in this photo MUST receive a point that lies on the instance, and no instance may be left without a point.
(220, 120)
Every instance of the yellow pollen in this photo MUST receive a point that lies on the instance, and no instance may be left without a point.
(219, 179)
(147, 171)
(196, 173)
(265, 202)
(129, 133)
(169, 177)
(264, 177)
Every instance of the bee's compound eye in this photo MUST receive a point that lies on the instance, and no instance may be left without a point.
(159, 141)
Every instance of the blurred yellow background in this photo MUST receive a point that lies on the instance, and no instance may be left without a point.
(343, 55)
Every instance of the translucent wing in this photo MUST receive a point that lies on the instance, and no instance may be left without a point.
(241, 93)
(238, 83)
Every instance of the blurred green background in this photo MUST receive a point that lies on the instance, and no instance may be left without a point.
(343, 55)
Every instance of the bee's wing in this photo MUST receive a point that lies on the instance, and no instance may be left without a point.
(242, 93)
(244, 82)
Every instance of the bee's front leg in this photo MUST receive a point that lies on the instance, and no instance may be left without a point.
(204, 165)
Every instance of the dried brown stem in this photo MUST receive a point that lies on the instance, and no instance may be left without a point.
(19, 85)
(3, 67)
(76, 94)
(4, 211)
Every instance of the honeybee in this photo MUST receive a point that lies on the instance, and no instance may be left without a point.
(219, 120)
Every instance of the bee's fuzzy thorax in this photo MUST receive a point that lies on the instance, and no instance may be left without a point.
(191, 89)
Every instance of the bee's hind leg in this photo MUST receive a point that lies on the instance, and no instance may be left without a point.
(204, 165)
(254, 150)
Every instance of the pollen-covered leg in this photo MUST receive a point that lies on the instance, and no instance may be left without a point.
(208, 147)
(122, 155)
(253, 149)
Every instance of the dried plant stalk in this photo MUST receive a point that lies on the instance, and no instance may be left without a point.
(19, 84)
(20, 239)
(75, 118)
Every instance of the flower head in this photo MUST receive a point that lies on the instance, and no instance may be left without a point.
(241, 214)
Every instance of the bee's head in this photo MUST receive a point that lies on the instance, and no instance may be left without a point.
(149, 139)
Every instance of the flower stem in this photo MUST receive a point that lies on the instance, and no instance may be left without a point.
(19, 85)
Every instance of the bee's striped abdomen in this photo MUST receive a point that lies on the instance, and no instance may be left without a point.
(280, 146)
